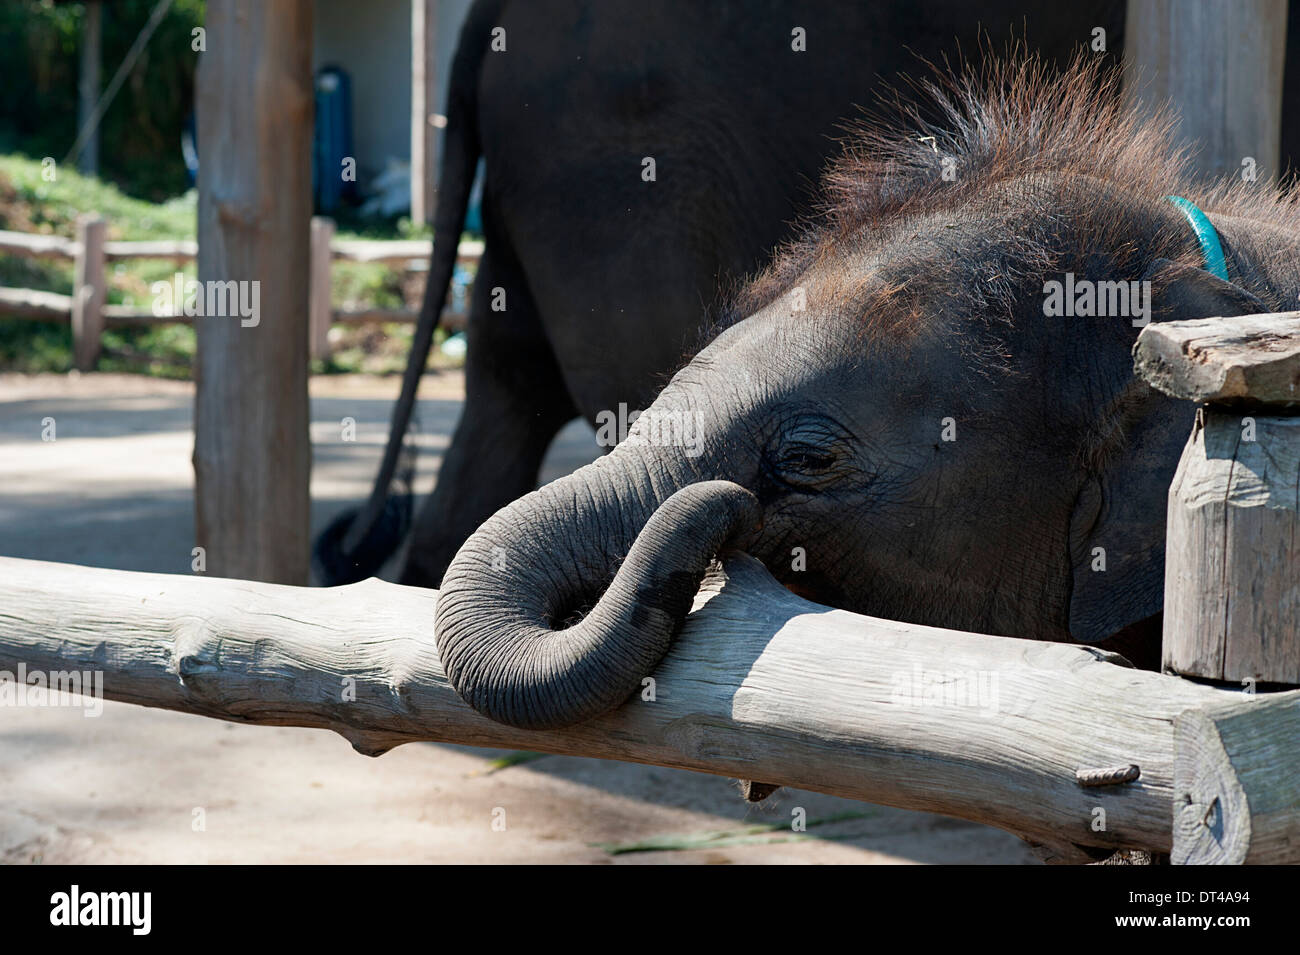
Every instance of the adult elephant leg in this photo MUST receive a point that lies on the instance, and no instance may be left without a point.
(515, 402)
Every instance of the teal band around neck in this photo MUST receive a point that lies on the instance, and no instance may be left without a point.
(1206, 235)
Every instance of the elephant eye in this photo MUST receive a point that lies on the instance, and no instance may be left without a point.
(808, 460)
(809, 450)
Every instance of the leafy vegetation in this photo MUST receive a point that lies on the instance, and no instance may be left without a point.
(140, 136)
(30, 203)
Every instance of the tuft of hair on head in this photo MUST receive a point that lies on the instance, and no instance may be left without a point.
(1012, 117)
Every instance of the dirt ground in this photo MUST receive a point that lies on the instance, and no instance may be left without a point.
(138, 785)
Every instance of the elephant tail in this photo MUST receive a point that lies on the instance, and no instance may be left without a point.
(357, 542)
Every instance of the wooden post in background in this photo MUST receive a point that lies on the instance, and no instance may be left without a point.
(1232, 556)
(88, 291)
(1220, 64)
(322, 234)
(424, 103)
(252, 452)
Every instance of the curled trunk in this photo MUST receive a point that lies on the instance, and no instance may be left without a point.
(514, 630)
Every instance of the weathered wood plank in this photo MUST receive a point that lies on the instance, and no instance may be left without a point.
(31, 245)
(1237, 782)
(1232, 559)
(1253, 357)
(424, 104)
(1220, 66)
(386, 251)
(252, 453)
(35, 304)
(760, 685)
(398, 251)
(319, 298)
(89, 291)
(178, 250)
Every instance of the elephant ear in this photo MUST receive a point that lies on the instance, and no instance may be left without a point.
(1117, 529)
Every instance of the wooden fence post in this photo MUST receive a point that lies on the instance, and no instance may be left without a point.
(252, 451)
(1220, 65)
(1237, 782)
(88, 291)
(320, 305)
(424, 103)
(1232, 556)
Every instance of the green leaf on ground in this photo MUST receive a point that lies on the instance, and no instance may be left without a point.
(755, 834)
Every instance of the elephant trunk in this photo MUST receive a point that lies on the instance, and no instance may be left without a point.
(532, 630)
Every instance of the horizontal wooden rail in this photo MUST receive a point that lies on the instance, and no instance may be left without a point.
(382, 251)
(54, 307)
(91, 315)
(760, 685)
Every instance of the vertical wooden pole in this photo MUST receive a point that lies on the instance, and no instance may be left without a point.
(424, 103)
(88, 291)
(88, 86)
(1220, 64)
(322, 234)
(1232, 555)
(252, 454)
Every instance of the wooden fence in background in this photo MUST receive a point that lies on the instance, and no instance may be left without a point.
(91, 252)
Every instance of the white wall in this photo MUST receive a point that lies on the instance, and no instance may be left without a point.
(371, 39)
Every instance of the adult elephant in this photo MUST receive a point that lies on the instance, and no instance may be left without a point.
(641, 159)
(903, 422)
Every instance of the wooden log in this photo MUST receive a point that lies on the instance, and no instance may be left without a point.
(321, 312)
(252, 453)
(30, 245)
(1232, 558)
(760, 685)
(397, 252)
(1220, 66)
(35, 304)
(89, 290)
(376, 316)
(53, 307)
(1250, 359)
(452, 321)
(178, 250)
(1237, 782)
(400, 251)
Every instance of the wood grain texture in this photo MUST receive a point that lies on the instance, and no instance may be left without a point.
(89, 291)
(1237, 782)
(424, 103)
(252, 454)
(320, 301)
(1220, 65)
(1253, 358)
(761, 685)
(1232, 561)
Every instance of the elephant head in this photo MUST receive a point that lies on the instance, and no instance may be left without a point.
(895, 423)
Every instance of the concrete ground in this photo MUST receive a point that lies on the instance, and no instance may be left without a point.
(139, 785)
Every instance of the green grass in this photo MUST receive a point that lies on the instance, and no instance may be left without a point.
(31, 203)
(53, 207)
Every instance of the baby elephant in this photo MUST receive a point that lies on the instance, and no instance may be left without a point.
(924, 410)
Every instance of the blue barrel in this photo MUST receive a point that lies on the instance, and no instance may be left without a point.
(332, 143)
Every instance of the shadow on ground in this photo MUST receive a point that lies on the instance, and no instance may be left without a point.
(138, 785)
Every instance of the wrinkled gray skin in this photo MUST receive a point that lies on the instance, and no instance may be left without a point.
(607, 278)
(822, 429)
